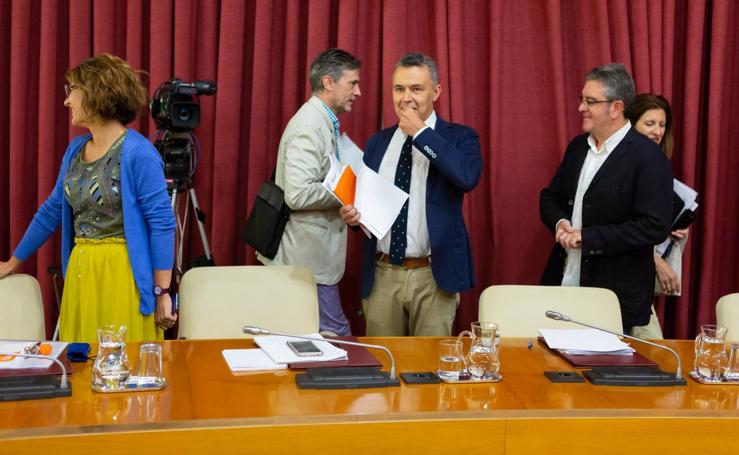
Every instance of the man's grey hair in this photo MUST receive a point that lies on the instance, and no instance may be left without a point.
(417, 59)
(333, 63)
(618, 83)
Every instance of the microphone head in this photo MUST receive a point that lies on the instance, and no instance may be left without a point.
(252, 330)
(556, 316)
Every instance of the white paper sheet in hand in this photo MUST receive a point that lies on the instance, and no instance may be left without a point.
(378, 202)
(585, 341)
(351, 155)
(275, 346)
(250, 360)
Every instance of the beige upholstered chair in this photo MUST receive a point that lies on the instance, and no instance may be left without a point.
(519, 310)
(727, 315)
(216, 302)
(21, 308)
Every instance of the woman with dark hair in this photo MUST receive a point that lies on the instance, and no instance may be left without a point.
(111, 201)
(651, 115)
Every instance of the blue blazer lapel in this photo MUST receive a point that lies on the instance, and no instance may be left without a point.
(373, 158)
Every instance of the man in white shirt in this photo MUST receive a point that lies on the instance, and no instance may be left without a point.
(610, 200)
(411, 278)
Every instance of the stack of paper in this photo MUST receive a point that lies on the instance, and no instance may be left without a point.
(275, 354)
(250, 360)
(276, 348)
(585, 342)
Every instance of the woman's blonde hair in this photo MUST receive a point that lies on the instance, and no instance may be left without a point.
(112, 88)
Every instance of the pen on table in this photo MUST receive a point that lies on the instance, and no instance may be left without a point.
(531, 344)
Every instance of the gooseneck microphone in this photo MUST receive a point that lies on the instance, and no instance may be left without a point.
(252, 330)
(561, 317)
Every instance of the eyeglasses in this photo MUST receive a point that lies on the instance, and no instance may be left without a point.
(590, 102)
(68, 89)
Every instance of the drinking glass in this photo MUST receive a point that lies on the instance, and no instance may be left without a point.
(150, 364)
(450, 359)
(731, 372)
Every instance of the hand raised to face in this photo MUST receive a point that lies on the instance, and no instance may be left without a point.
(410, 121)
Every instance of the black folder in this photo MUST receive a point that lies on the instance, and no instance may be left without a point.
(677, 205)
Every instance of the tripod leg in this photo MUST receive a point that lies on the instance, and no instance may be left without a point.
(179, 235)
(173, 199)
(199, 217)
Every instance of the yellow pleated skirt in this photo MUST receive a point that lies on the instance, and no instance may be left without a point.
(99, 290)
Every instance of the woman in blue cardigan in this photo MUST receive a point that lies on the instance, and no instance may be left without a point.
(111, 201)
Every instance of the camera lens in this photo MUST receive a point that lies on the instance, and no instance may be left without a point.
(184, 113)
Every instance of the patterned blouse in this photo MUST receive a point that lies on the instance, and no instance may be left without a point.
(93, 191)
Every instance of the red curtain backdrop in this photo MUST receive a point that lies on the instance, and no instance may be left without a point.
(512, 69)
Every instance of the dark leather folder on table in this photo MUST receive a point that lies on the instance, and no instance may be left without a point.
(357, 356)
(602, 360)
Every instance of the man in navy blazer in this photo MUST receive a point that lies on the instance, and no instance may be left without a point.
(411, 278)
(610, 201)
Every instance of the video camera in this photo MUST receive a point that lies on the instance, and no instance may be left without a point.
(176, 113)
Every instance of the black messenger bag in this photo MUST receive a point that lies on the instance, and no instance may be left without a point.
(266, 222)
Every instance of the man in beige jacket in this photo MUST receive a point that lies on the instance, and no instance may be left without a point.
(315, 235)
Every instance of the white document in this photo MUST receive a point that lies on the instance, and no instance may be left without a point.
(10, 347)
(250, 360)
(585, 341)
(686, 193)
(378, 201)
(275, 346)
(351, 155)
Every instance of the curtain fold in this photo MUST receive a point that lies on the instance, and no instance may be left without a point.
(512, 69)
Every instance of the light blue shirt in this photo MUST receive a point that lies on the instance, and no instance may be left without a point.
(335, 121)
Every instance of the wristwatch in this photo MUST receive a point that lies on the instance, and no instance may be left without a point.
(158, 290)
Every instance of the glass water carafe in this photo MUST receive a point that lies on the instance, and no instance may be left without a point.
(111, 369)
(710, 353)
(482, 360)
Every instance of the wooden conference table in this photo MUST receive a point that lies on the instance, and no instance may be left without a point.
(208, 409)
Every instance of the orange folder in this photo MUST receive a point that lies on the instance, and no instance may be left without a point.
(346, 187)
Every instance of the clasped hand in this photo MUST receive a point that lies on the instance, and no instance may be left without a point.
(567, 236)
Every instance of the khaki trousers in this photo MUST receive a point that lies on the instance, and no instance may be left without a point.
(408, 302)
(651, 331)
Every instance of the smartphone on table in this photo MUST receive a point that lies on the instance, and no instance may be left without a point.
(304, 348)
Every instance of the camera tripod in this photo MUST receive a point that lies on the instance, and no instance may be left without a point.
(206, 260)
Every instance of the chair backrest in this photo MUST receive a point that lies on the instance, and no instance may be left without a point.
(21, 308)
(216, 302)
(519, 310)
(727, 315)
